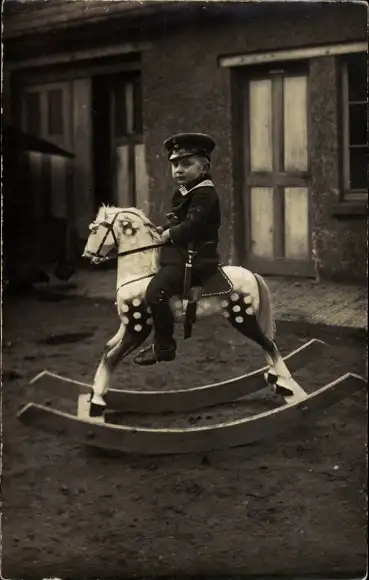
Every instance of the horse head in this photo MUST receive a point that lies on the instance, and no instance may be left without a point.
(119, 230)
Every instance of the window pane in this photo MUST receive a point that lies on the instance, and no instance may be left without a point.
(357, 76)
(358, 168)
(33, 113)
(128, 107)
(137, 108)
(55, 112)
(358, 124)
(120, 120)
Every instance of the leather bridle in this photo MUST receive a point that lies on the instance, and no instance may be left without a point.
(110, 229)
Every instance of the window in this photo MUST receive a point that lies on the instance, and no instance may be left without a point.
(45, 111)
(355, 147)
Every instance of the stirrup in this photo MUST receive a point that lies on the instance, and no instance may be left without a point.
(153, 352)
(147, 348)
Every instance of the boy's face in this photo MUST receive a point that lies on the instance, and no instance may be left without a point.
(188, 169)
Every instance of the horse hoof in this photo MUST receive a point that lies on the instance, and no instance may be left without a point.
(97, 400)
(96, 410)
(283, 387)
(283, 391)
(270, 378)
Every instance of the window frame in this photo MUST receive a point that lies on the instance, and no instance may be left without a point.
(65, 139)
(349, 194)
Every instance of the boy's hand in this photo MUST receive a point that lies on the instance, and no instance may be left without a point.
(159, 229)
(165, 237)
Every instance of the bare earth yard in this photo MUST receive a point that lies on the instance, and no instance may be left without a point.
(294, 505)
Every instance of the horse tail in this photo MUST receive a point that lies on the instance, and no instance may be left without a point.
(265, 314)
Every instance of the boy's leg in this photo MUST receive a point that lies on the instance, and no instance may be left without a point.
(166, 283)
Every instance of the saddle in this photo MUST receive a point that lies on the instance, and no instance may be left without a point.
(218, 284)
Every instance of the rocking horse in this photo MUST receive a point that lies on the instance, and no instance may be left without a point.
(239, 295)
(234, 293)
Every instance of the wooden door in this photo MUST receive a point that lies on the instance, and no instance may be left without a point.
(129, 162)
(277, 236)
(46, 112)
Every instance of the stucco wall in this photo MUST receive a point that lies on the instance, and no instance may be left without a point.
(186, 90)
(340, 244)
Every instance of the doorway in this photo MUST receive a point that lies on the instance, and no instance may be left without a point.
(119, 165)
(274, 233)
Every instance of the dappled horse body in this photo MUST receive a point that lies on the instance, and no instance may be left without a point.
(235, 293)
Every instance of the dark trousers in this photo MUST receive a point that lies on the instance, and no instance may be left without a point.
(166, 283)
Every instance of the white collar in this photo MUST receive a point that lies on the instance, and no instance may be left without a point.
(206, 183)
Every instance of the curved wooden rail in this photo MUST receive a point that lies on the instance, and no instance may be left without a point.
(155, 402)
(130, 439)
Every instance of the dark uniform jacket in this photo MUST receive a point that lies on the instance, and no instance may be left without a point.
(194, 223)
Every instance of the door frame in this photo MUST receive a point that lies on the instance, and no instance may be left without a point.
(243, 181)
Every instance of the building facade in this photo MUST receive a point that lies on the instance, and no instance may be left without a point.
(281, 87)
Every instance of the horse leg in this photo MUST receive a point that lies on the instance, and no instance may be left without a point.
(248, 325)
(126, 340)
(116, 338)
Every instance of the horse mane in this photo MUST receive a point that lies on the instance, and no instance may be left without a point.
(112, 210)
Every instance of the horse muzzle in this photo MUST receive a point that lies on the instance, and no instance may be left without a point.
(94, 258)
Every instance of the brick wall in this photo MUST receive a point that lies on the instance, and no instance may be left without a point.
(185, 90)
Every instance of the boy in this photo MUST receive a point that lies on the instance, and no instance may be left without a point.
(193, 224)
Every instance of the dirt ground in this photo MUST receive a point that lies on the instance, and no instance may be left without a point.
(294, 505)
